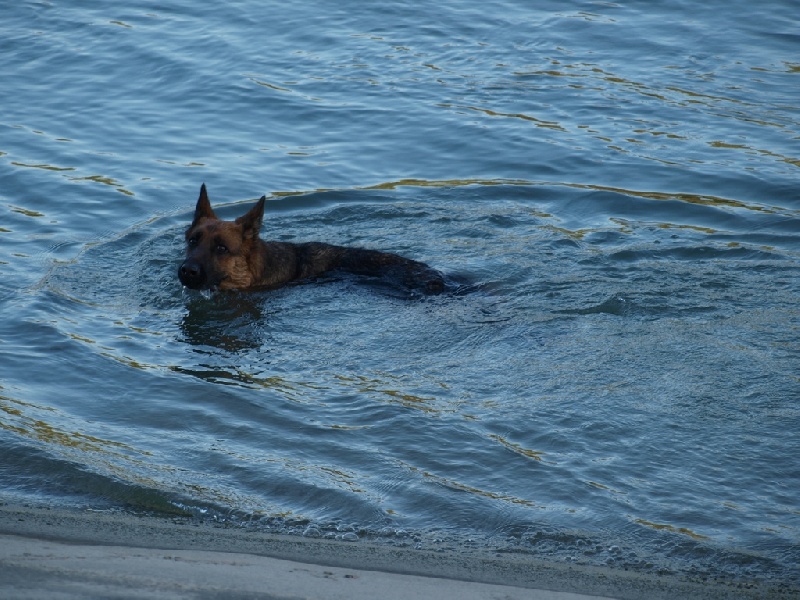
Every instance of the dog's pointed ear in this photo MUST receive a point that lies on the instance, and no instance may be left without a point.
(203, 209)
(251, 222)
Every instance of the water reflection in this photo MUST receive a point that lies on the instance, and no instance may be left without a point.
(227, 321)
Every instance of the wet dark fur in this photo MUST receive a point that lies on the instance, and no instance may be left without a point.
(229, 255)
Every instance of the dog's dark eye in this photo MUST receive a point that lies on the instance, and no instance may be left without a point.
(192, 242)
(221, 249)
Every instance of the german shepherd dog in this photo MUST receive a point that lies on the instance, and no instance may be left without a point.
(229, 255)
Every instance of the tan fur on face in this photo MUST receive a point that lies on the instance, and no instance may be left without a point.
(228, 269)
(223, 255)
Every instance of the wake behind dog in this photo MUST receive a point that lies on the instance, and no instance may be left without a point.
(230, 255)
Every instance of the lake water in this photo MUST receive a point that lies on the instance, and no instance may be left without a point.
(611, 187)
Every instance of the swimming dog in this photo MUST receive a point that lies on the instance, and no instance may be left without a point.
(230, 255)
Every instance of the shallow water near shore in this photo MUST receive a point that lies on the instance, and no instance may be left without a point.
(612, 379)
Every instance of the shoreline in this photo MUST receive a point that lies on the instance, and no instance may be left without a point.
(101, 554)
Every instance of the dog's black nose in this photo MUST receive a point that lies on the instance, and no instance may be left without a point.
(191, 274)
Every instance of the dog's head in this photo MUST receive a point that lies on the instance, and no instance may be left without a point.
(218, 252)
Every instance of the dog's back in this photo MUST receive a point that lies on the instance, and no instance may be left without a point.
(229, 255)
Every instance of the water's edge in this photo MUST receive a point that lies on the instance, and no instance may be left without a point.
(119, 528)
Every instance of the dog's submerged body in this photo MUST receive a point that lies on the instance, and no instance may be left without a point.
(230, 255)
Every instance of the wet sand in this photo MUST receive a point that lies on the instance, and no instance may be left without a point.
(65, 554)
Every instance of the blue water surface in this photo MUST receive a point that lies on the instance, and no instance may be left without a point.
(610, 188)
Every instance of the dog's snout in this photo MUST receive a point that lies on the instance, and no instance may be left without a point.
(191, 274)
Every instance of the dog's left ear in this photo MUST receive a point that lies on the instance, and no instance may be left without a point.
(251, 222)
(203, 209)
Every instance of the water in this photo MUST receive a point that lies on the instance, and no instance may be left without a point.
(613, 184)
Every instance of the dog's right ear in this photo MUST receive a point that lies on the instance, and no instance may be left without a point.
(251, 222)
(203, 209)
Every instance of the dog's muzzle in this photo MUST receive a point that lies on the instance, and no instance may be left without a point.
(192, 274)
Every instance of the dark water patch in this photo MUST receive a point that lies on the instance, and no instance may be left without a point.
(695, 253)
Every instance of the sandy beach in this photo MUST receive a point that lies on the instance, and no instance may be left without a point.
(63, 553)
